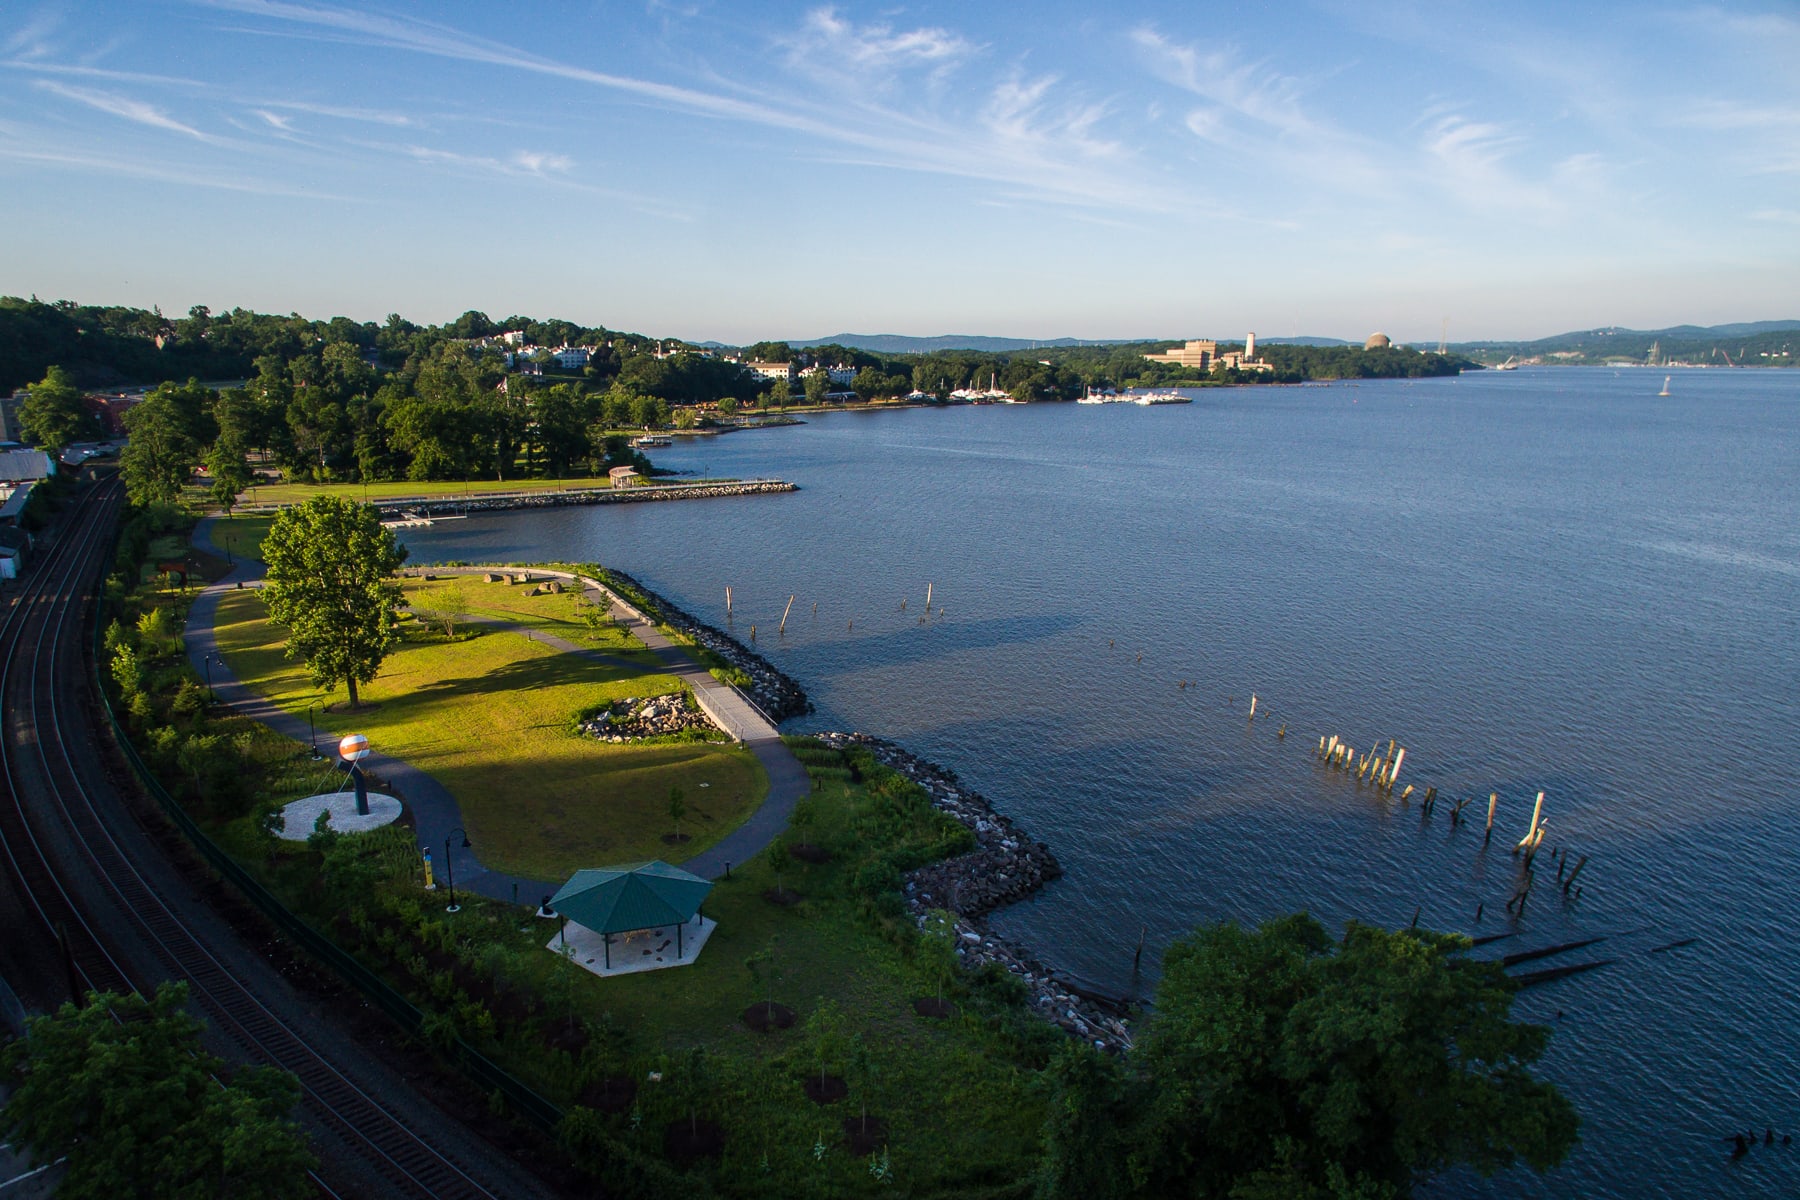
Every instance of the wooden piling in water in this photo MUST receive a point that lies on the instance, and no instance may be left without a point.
(1138, 958)
(1537, 814)
(1493, 799)
(784, 616)
(728, 603)
(1253, 706)
(1574, 874)
(1394, 771)
(753, 633)
(928, 597)
(1406, 794)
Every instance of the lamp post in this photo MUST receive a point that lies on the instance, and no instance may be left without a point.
(206, 661)
(312, 732)
(450, 867)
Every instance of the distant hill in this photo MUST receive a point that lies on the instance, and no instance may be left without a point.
(897, 343)
(1304, 341)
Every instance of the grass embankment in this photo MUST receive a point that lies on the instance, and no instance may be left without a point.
(488, 716)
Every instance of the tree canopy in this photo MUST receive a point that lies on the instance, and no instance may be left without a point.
(124, 1089)
(161, 453)
(330, 585)
(1280, 1063)
(52, 415)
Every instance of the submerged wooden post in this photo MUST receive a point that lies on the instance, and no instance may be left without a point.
(1493, 799)
(1138, 958)
(1573, 875)
(784, 615)
(1406, 793)
(753, 633)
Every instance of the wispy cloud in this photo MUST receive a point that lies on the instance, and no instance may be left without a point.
(826, 36)
(31, 39)
(1049, 154)
(185, 175)
(127, 107)
(373, 116)
(521, 163)
(89, 72)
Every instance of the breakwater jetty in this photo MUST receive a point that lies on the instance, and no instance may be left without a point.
(418, 510)
(1004, 867)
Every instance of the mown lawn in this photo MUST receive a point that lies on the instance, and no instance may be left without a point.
(296, 493)
(489, 718)
(454, 597)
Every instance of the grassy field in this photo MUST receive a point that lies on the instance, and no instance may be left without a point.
(294, 493)
(467, 595)
(488, 717)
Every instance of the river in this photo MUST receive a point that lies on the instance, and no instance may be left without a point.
(1540, 580)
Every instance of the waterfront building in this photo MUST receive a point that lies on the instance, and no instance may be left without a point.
(1200, 354)
(784, 372)
(624, 477)
(10, 429)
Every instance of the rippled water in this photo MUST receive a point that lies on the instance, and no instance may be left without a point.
(1540, 580)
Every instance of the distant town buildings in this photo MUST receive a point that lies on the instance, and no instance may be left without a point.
(10, 430)
(1204, 355)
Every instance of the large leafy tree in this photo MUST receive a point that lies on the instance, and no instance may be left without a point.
(1280, 1063)
(161, 453)
(330, 585)
(52, 415)
(124, 1089)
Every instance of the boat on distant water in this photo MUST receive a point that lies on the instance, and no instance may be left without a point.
(1163, 397)
(1103, 396)
(1665, 390)
(917, 397)
(1509, 365)
(650, 440)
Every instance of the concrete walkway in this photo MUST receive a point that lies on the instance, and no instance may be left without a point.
(436, 813)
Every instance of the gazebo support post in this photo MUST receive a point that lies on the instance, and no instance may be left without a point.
(678, 950)
(606, 949)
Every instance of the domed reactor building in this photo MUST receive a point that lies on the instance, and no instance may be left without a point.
(1378, 341)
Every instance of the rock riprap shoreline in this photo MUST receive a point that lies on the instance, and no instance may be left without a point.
(773, 691)
(1004, 867)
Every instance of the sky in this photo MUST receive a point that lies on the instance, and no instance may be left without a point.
(762, 170)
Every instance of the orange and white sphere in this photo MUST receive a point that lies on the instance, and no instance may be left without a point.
(353, 747)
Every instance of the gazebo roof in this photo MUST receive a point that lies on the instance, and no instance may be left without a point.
(630, 896)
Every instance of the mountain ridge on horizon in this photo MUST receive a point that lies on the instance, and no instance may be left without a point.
(897, 343)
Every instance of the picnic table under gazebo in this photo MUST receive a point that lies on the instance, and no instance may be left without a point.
(633, 917)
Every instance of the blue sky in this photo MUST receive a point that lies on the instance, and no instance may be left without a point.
(770, 170)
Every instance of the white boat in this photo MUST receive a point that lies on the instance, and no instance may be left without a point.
(1103, 396)
(916, 397)
(650, 440)
(1665, 390)
(1164, 397)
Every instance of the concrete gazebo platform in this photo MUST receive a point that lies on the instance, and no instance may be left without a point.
(633, 917)
(299, 816)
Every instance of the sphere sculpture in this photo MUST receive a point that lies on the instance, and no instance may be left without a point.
(354, 748)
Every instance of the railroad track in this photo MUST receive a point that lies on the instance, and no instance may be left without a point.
(61, 841)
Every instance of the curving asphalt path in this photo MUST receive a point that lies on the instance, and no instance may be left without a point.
(436, 812)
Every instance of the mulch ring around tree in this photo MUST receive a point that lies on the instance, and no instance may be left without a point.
(785, 897)
(612, 1094)
(685, 1141)
(825, 1089)
(564, 1035)
(765, 1015)
(676, 839)
(807, 852)
(931, 1006)
(865, 1135)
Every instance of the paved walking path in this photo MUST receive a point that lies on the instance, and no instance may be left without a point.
(436, 813)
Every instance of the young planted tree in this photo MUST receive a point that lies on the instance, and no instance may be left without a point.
(450, 604)
(827, 1032)
(779, 861)
(330, 585)
(677, 810)
(937, 953)
(124, 1090)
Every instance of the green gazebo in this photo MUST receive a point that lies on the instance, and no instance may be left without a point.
(630, 898)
